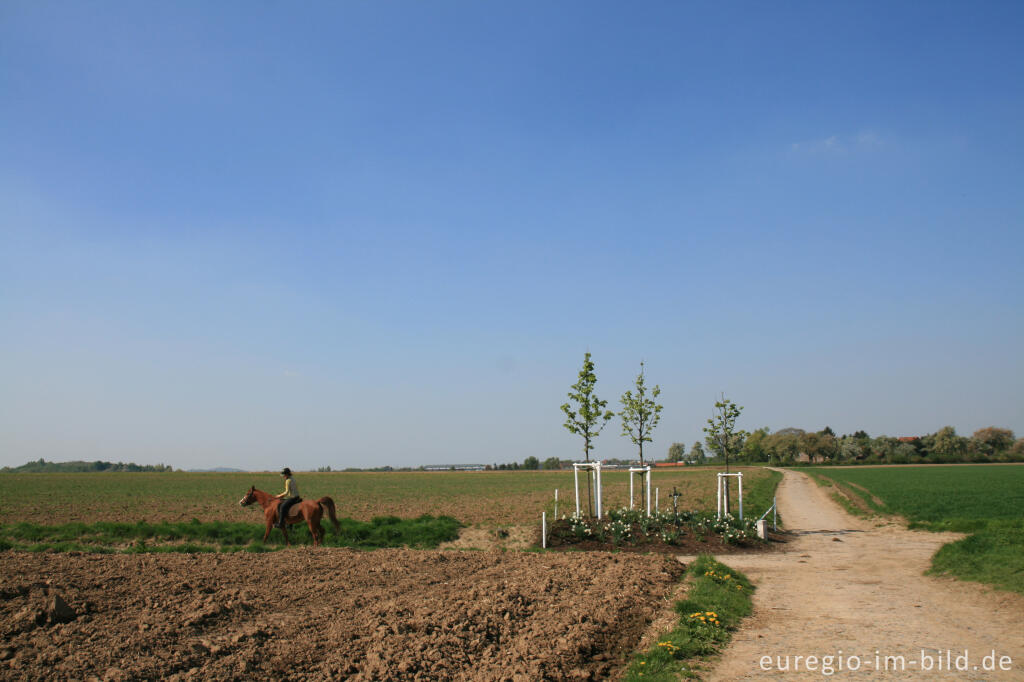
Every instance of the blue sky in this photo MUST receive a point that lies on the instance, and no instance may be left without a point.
(356, 234)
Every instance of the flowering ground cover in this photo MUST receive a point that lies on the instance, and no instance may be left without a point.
(717, 600)
(687, 532)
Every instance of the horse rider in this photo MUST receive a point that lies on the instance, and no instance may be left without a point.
(289, 497)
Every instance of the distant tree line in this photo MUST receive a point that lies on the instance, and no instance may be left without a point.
(530, 463)
(41, 466)
(792, 446)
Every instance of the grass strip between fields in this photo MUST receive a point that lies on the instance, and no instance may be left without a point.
(424, 532)
(718, 599)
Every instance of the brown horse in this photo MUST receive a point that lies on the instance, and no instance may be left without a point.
(306, 510)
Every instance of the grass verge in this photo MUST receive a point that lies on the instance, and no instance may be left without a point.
(983, 501)
(760, 495)
(423, 532)
(993, 554)
(718, 599)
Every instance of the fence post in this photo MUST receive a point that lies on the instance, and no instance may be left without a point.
(648, 477)
(544, 530)
(576, 480)
(719, 507)
(740, 477)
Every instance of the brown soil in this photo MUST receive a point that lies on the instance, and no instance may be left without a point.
(329, 613)
(857, 586)
(501, 538)
(687, 545)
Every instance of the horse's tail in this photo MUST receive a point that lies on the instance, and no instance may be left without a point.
(328, 505)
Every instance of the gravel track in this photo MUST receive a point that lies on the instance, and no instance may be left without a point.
(858, 586)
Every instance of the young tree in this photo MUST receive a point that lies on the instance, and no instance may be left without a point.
(589, 417)
(722, 436)
(640, 414)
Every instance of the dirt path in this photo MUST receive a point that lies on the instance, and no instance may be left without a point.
(856, 586)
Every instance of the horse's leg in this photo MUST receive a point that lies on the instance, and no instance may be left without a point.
(310, 521)
(318, 513)
(270, 516)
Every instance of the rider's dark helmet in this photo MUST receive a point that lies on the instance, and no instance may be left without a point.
(286, 472)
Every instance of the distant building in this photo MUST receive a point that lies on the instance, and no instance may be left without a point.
(454, 467)
(804, 458)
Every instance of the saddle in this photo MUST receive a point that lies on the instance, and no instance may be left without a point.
(287, 509)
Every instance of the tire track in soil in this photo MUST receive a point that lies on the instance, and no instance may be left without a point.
(858, 586)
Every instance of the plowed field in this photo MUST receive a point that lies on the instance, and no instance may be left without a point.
(304, 614)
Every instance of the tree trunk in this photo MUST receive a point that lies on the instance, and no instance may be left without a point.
(728, 507)
(590, 497)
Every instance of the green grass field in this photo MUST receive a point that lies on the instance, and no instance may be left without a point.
(986, 501)
(424, 532)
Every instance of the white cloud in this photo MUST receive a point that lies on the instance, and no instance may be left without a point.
(838, 145)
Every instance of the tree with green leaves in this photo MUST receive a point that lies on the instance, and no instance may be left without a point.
(676, 452)
(531, 462)
(722, 435)
(589, 417)
(753, 448)
(723, 438)
(552, 464)
(945, 445)
(993, 441)
(585, 413)
(640, 414)
(697, 455)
